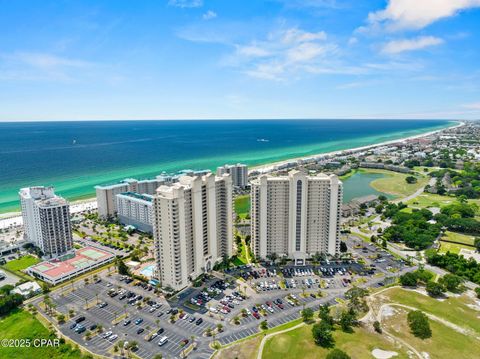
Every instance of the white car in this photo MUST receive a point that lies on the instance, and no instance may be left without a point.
(113, 337)
(270, 309)
(163, 341)
(107, 334)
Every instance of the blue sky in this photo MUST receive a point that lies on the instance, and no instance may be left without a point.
(186, 59)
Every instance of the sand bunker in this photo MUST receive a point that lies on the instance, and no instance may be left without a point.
(383, 354)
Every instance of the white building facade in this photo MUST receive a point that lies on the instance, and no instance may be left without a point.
(136, 210)
(46, 219)
(239, 173)
(295, 215)
(193, 227)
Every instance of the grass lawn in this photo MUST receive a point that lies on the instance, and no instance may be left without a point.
(451, 247)
(453, 309)
(242, 205)
(244, 350)
(21, 263)
(444, 342)
(394, 183)
(454, 247)
(22, 325)
(299, 343)
(426, 200)
(458, 237)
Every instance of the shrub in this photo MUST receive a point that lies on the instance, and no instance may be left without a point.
(419, 324)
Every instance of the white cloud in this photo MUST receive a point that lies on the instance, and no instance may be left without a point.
(209, 15)
(44, 60)
(295, 35)
(416, 14)
(185, 3)
(283, 53)
(403, 45)
(39, 66)
(252, 51)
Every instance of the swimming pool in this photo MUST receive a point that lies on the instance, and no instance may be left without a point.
(148, 270)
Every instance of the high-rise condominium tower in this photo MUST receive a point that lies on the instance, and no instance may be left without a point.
(46, 219)
(239, 173)
(296, 215)
(192, 226)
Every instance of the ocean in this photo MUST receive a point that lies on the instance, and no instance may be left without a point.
(76, 156)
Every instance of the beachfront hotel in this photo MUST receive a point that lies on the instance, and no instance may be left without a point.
(239, 173)
(134, 209)
(295, 215)
(193, 227)
(106, 194)
(46, 219)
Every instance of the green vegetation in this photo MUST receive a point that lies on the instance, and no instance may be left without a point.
(412, 279)
(395, 183)
(466, 182)
(23, 325)
(455, 309)
(307, 314)
(298, 344)
(413, 229)
(21, 263)
(8, 302)
(337, 354)
(242, 206)
(459, 238)
(467, 268)
(451, 247)
(444, 343)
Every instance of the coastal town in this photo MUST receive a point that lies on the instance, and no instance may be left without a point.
(371, 251)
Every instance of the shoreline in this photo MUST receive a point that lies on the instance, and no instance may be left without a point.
(8, 218)
(270, 166)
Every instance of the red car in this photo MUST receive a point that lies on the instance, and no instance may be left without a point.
(256, 315)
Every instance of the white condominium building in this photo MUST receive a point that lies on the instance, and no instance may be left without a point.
(193, 229)
(239, 173)
(106, 194)
(296, 215)
(136, 210)
(46, 219)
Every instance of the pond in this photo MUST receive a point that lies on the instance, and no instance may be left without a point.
(358, 185)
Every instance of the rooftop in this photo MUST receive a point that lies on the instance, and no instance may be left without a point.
(84, 257)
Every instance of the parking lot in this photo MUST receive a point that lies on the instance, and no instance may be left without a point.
(239, 299)
(151, 318)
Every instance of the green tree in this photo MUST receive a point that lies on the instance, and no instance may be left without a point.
(347, 320)
(122, 267)
(264, 325)
(409, 279)
(476, 243)
(307, 314)
(337, 354)
(477, 291)
(451, 282)
(377, 327)
(410, 179)
(324, 315)
(434, 289)
(343, 247)
(322, 334)
(419, 324)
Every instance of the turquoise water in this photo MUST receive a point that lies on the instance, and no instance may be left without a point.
(76, 156)
(148, 271)
(358, 185)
